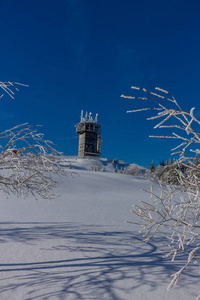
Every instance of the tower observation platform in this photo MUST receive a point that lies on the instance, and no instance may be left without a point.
(89, 136)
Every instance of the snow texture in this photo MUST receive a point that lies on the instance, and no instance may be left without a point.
(80, 246)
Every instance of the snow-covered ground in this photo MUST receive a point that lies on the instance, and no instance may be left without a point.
(79, 246)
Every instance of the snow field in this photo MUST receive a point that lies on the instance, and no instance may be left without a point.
(79, 246)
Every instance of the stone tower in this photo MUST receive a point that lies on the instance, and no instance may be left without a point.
(89, 136)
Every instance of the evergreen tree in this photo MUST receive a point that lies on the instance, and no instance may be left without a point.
(162, 163)
(152, 168)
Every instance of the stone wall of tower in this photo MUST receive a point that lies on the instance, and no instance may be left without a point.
(81, 148)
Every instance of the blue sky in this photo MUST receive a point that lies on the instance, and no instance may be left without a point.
(83, 54)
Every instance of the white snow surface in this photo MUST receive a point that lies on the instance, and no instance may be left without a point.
(80, 246)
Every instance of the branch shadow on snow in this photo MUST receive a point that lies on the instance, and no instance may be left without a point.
(94, 262)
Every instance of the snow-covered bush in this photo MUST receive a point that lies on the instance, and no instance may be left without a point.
(28, 163)
(135, 170)
(175, 212)
(96, 165)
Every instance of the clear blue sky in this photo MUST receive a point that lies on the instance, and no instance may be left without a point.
(83, 54)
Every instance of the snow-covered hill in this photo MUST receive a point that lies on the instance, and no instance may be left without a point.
(104, 165)
(79, 246)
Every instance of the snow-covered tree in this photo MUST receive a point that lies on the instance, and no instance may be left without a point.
(166, 173)
(28, 163)
(175, 211)
(171, 174)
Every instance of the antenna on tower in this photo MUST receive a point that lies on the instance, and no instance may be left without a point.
(95, 120)
(82, 116)
(90, 117)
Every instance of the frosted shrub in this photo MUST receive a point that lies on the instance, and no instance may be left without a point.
(134, 170)
(175, 212)
(96, 165)
(28, 163)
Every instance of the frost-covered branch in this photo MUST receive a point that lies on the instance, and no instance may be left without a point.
(10, 88)
(174, 115)
(175, 212)
(28, 163)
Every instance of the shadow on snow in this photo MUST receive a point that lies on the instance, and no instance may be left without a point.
(100, 263)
